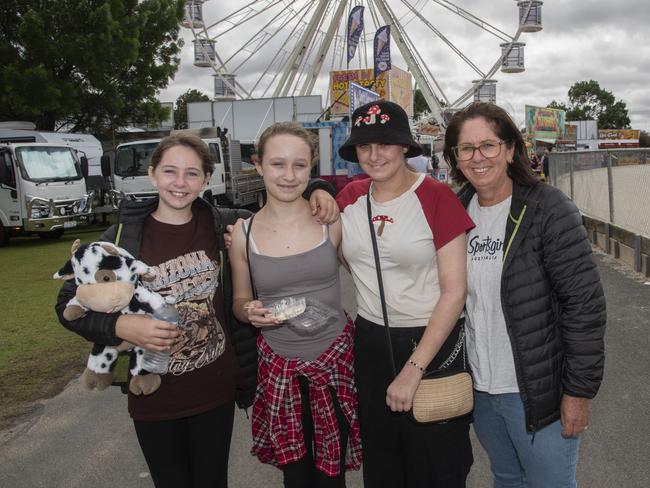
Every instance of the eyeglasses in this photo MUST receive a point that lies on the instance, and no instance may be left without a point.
(489, 149)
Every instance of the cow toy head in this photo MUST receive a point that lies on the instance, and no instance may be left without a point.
(105, 275)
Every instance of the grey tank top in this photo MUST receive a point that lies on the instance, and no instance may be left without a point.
(312, 274)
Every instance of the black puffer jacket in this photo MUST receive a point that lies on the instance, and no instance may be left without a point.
(100, 327)
(553, 301)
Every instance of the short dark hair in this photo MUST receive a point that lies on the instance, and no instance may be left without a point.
(190, 141)
(504, 127)
(286, 128)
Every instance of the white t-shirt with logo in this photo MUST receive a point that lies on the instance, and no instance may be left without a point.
(488, 345)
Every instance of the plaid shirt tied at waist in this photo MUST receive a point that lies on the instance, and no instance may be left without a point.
(277, 428)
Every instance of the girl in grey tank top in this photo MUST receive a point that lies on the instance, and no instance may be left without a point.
(305, 377)
(310, 274)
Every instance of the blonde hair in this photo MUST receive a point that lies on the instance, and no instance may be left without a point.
(288, 128)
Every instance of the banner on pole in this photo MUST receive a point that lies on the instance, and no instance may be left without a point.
(360, 96)
(382, 50)
(355, 28)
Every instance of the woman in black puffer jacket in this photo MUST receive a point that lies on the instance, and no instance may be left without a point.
(535, 305)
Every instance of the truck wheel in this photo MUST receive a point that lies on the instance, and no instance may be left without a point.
(261, 199)
(220, 201)
(53, 234)
(4, 235)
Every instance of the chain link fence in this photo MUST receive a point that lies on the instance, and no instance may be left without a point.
(612, 185)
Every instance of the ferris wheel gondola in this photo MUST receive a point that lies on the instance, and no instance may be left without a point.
(285, 47)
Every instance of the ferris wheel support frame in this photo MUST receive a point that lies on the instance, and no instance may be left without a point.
(411, 62)
(300, 50)
(322, 51)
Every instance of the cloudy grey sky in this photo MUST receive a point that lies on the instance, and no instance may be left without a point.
(604, 40)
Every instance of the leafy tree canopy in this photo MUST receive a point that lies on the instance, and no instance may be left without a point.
(87, 66)
(180, 112)
(588, 101)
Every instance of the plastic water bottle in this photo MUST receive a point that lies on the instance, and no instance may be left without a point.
(158, 361)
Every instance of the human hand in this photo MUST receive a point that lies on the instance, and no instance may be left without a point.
(400, 393)
(323, 207)
(574, 412)
(227, 236)
(258, 315)
(146, 332)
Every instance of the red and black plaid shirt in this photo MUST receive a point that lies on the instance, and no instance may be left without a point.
(277, 428)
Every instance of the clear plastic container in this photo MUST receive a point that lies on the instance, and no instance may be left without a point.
(304, 315)
(288, 308)
(158, 361)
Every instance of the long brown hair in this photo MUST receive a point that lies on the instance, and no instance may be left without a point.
(504, 127)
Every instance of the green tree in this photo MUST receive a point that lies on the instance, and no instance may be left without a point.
(87, 65)
(558, 105)
(588, 101)
(180, 112)
(420, 105)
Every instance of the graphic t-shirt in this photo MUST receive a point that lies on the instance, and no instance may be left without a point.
(202, 371)
(409, 230)
(488, 346)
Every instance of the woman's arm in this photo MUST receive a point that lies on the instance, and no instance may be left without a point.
(244, 307)
(320, 194)
(575, 280)
(452, 274)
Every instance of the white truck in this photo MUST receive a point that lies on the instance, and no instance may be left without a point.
(234, 182)
(42, 189)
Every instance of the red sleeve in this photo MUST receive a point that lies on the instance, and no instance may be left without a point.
(445, 214)
(351, 192)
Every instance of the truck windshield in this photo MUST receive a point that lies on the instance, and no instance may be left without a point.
(132, 160)
(48, 164)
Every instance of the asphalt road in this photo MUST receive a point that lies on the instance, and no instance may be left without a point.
(85, 439)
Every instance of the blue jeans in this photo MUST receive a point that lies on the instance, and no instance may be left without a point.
(519, 459)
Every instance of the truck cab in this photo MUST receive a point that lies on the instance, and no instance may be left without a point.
(42, 190)
(131, 180)
(234, 182)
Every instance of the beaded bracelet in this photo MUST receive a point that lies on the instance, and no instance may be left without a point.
(416, 365)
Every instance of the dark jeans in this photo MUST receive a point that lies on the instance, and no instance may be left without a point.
(303, 473)
(190, 452)
(397, 451)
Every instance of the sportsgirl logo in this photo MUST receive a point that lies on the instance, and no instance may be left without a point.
(484, 246)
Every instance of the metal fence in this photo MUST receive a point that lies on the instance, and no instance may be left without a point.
(612, 185)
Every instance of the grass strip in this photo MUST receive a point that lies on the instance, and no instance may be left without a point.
(38, 356)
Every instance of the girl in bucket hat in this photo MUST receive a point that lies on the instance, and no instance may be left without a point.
(420, 228)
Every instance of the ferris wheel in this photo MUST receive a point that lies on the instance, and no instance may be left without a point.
(264, 48)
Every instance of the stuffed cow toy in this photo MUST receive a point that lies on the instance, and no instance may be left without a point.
(109, 280)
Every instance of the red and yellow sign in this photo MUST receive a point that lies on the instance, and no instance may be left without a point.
(394, 85)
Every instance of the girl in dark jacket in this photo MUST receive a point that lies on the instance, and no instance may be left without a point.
(535, 307)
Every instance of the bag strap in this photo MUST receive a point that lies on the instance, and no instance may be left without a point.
(248, 258)
(380, 282)
(118, 235)
(460, 343)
